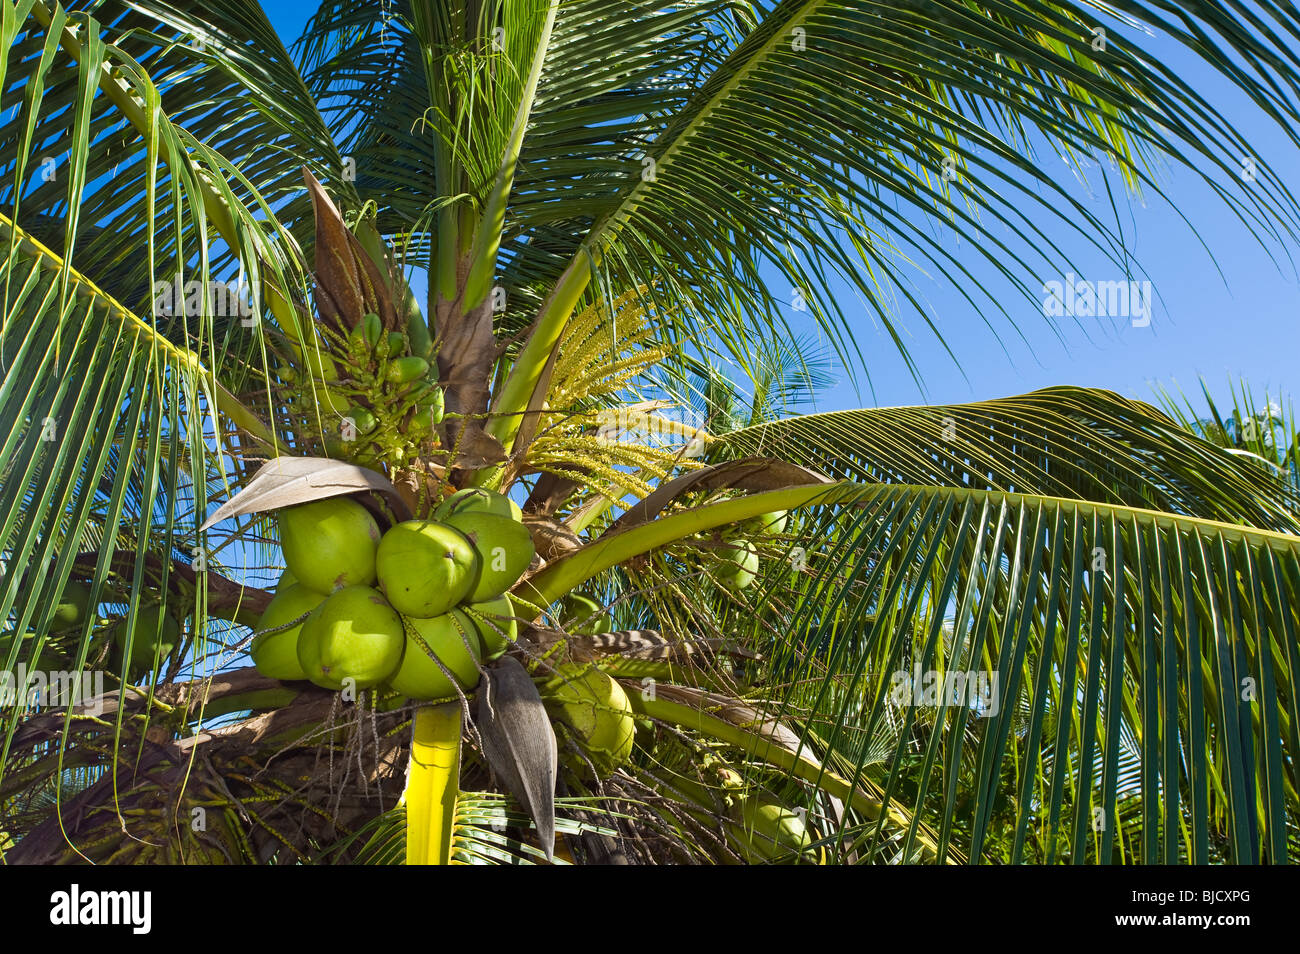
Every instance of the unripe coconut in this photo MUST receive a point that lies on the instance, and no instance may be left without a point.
(426, 568)
(496, 623)
(287, 579)
(363, 421)
(435, 404)
(454, 638)
(582, 615)
(404, 370)
(421, 423)
(276, 654)
(771, 830)
(354, 635)
(477, 499)
(74, 603)
(773, 523)
(417, 330)
(596, 708)
(738, 567)
(155, 635)
(329, 543)
(505, 549)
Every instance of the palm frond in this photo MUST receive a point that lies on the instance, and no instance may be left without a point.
(1078, 631)
(1060, 442)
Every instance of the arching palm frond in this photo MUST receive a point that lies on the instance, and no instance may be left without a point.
(1058, 442)
(1071, 627)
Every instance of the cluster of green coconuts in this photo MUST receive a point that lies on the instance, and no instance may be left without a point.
(373, 602)
(381, 386)
(360, 607)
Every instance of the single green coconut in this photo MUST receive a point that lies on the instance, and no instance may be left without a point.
(770, 830)
(355, 634)
(155, 636)
(329, 543)
(582, 615)
(454, 638)
(476, 499)
(773, 523)
(72, 608)
(426, 568)
(286, 579)
(596, 708)
(496, 623)
(738, 566)
(505, 549)
(276, 654)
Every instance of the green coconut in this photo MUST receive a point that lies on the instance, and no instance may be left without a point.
(329, 543)
(496, 623)
(72, 608)
(596, 708)
(286, 579)
(505, 549)
(454, 638)
(426, 568)
(478, 500)
(738, 566)
(582, 615)
(276, 654)
(773, 523)
(354, 634)
(770, 830)
(155, 636)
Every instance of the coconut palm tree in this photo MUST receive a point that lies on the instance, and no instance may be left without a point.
(1263, 431)
(1053, 627)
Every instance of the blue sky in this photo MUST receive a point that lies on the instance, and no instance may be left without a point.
(1243, 322)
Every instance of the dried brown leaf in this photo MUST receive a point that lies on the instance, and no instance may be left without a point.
(519, 743)
(285, 481)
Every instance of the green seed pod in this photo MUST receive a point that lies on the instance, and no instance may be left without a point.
(357, 340)
(396, 344)
(421, 423)
(417, 329)
(364, 421)
(410, 368)
(433, 403)
(419, 392)
(372, 329)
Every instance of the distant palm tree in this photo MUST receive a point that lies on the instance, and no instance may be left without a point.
(1265, 431)
(612, 202)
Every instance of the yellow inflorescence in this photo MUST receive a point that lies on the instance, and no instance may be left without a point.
(603, 352)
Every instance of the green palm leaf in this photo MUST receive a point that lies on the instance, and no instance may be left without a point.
(1059, 442)
(1099, 629)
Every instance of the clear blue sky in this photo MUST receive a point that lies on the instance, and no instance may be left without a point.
(1242, 323)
